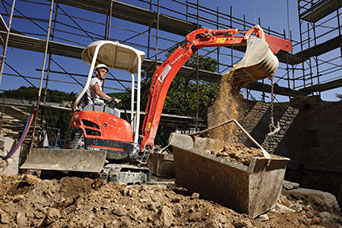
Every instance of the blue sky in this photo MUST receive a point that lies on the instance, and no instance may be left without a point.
(273, 14)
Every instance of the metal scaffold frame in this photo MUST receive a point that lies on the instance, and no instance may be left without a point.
(320, 39)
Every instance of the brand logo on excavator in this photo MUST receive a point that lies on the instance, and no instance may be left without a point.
(173, 62)
(220, 40)
(165, 73)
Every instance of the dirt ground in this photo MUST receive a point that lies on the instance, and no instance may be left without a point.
(83, 202)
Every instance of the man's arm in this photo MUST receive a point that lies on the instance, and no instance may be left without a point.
(99, 92)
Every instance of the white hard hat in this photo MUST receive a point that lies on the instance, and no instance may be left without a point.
(101, 65)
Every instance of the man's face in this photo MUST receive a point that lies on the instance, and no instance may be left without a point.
(102, 73)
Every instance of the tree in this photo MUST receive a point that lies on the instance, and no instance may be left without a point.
(181, 98)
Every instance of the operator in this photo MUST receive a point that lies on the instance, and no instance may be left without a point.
(94, 91)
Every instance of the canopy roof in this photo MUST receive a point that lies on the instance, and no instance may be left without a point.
(114, 55)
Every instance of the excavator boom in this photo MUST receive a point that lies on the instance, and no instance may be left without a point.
(259, 62)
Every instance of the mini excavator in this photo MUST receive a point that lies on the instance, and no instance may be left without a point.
(100, 143)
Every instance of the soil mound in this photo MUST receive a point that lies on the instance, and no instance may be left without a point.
(83, 202)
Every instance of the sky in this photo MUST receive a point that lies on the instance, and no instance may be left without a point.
(278, 15)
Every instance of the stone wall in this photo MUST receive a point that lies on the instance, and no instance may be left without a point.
(310, 135)
(314, 145)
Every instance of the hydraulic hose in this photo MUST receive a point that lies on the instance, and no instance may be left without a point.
(27, 127)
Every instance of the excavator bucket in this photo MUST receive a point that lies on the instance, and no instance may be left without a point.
(258, 63)
(91, 161)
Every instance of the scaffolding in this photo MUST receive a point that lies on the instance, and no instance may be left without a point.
(320, 45)
(65, 27)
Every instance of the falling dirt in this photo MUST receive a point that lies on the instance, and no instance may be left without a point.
(226, 107)
(229, 105)
(83, 202)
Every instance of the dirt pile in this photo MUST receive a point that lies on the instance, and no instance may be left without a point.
(237, 153)
(83, 202)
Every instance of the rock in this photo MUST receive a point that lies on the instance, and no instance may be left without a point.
(135, 213)
(308, 208)
(48, 194)
(18, 198)
(124, 191)
(151, 206)
(195, 195)
(21, 219)
(309, 214)
(131, 192)
(143, 200)
(177, 209)
(282, 208)
(119, 211)
(288, 185)
(5, 218)
(32, 180)
(165, 216)
(242, 223)
(195, 217)
(125, 222)
(327, 217)
(218, 221)
(176, 199)
(316, 220)
(264, 218)
(321, 201)
(38, 214)
(53, 214)
(286, 202)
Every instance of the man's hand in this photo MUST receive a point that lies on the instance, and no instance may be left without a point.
(116, 100)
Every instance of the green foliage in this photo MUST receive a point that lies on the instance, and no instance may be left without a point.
(31, 93)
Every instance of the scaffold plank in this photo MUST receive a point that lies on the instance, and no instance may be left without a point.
(62, 49)
(323, 87)
(321, 9)
(38, 45)
(321, 48)
(135, 14)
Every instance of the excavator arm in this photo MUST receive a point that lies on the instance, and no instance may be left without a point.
(259, 56)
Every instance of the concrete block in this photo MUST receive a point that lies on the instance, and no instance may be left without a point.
(10, 166)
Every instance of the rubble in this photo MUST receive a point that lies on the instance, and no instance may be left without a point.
(84, 202)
